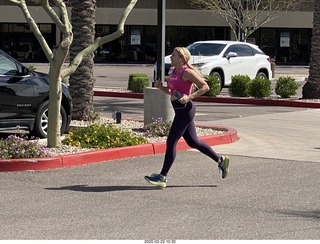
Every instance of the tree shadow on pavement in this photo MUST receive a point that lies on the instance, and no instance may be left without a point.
(86, 188)
(315, 214)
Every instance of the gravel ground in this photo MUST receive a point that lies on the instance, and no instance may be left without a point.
(136, 127)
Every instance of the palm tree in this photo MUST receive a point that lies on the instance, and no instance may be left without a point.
(83, 16)
(312, 88)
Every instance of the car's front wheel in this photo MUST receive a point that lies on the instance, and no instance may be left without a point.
(219, 78)
(262, 75)
(41, 123)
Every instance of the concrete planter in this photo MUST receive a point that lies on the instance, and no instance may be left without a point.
(156, 105)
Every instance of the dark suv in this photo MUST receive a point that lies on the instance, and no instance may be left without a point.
(24, 99)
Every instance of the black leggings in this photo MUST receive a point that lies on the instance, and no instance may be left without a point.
(183, 125)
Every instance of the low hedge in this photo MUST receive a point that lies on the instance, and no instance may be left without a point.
(137, 82)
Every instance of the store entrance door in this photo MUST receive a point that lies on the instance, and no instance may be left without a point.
(294, 46)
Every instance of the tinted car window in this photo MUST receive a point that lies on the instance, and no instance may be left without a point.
(232, 48)
(7, 67)
(256, 51)
(205, 49)
(245, 50)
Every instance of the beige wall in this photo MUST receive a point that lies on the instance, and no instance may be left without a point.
(186, 17)
(13, 14)
(182, 17)
(149, 17)
(292, 20)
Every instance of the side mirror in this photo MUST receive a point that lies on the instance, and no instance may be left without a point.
(232, 55)
(22, 71)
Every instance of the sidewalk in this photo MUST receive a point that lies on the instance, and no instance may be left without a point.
(288, 136)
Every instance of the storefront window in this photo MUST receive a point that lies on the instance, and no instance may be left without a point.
(183, 36)
(293, 46)
(139, 43)
(286, 46)
(267, 42)
(19, 41)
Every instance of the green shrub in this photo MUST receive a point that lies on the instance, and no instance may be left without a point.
(139, 83)
(31, 67)
(260, 88)
(158, 127)
(17, 147)
(214, 86)
(101, 137)
(131, 82)
(286, 86)
(239, 86)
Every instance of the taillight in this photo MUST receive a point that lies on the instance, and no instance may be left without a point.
(271, 59)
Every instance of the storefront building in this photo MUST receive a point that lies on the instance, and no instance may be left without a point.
(287, 38)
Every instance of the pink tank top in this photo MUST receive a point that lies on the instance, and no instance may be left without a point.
(175, 82)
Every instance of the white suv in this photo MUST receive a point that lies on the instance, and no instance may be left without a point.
(227, 58)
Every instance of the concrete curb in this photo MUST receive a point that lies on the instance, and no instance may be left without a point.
(98, 156)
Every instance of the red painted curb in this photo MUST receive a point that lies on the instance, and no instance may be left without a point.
(118, 94)
(232, 136)
(108, 154)
(233, 100)
(30, 164)
(262, 102)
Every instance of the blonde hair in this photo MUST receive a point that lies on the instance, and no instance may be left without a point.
(185, 55)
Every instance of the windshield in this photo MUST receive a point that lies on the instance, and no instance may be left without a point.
(206, 49)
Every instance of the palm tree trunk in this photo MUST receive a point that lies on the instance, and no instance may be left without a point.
(83, 16)
(312, 88)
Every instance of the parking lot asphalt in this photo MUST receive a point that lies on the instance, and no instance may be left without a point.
(272, 191)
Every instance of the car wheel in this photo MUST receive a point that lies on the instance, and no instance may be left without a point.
(261, 75)
(41, 124)
(217, 74)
